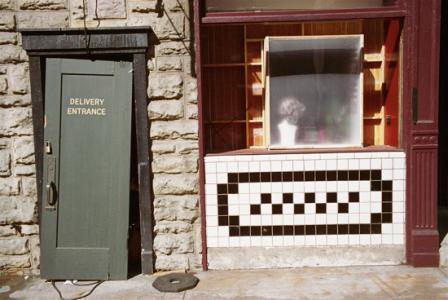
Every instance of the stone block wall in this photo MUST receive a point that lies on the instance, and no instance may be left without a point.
(172, 110)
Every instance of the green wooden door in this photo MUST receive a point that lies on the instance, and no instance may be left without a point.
(85, 207)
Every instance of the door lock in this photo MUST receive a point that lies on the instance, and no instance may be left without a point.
(47, 147)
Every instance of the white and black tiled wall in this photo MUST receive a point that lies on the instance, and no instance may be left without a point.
(305, 199)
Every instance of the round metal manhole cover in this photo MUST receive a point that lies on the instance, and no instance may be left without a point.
(175, 282)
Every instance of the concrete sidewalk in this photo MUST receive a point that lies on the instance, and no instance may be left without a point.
(379, 283)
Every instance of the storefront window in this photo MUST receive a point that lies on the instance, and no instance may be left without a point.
(263, 5)
(314, 90)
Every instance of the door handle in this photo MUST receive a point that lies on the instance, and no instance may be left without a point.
(51, 193)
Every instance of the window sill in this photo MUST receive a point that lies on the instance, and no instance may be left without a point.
(264, 151)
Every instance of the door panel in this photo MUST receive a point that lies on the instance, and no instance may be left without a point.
(88, 124)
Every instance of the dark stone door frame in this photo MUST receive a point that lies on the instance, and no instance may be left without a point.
(132, 43)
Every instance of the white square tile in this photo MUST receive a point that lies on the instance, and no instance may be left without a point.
(353, 218)
(255, 220)
(331, 164)
(211, 210)
(364, 207)
(398, 174)
(386, 239)
(309, 165)
(364, 239)
(310, 186)
(266, 219)
(243, 166)
(399, 163)
(211, 199)
(287, 187)
(299, 219)
(226, 158)
(210, 167)
(364, 197)
(234, 210)
(386, 174)
(328, 156)
(363, 155)
(342, 197)
(342, 239)
(210, 178)
(364, 218)
(288, 241)
(254, 166)
(245, 220)
(298, 198)
(310, 219)
(332, 240)
(398, 206)
(398, 185)
(342, 186)
(299, 240)
(375, 207)
(277, 157)
(380, 154)
(212, 242)
(310, 240)
(265, 187)
(397, 154)
(277, 241)
(266, 209)
(298, 187)
(332, 218)
(398, 228)
(277, 198)
(298, 165)
(212, 221)
(288, 209)
(342, 218)
(255, 188)
(314, 156)
(353, 208)
(243, 157)
(353, 239)
(266, 241)
(320, 165)
(321, 240)
(353, 164)
(243, 188)
(288, 219)
(234, 242)
(321, 197)
(221, 167)
(376, 197)
(277, 187)
(353, 186)
(321, 186)
(332, 208)
(364, 186)
(398, 196)
(294, 157)
(253, 199)
(265, 166)
(211, 158)
(332, 186)
(222, 178)
(386, 163)
(398, 239)
(342, 164)
(387, 228)
(233, 199)
(211, 231)
(286, 166)
(276, 166)
(364, 164)
(310, 208)
(245, 241)
(210, 189)
(255, 241)
(375, 239)
(277, 219)
(399, 218)
(321, 219)
(375, 163)
(232, 167)
(223, 231)
(345, 155)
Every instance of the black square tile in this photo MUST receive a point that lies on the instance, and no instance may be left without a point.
(310, 229)
(310, 197)
(342, 175)
(331, 176)
(265, 176)
(254, 177)
(222, 188)
(276, 176)
(387, 207)
(266, 230)
(364, 229)
(375, 174)
(364, 175)
(387, 185)
(243, 177)
(222, 200)
(321, 208)
(321, 229)
(299, 209)
(233, 188)
(266, 198)
(234, 231)
(375, 218)
(277, 230)
(310, 176)
(255, 209)
(375, 229)
(386, 196)
(223, 210)
(353, 229)
(223, 220)
(375, 185)
(287, 198)
(299, 230)
(387, 218)
(232, 177)
(332, 229)
(298, 176)
(353, 197)
(321, 176)
(353, 175)
(255, 230)
(288, 230)
(245, 231)
(332, 197)
(234, 220)
(287, 176)
(277, 209)
(342, 229)
(342, 208)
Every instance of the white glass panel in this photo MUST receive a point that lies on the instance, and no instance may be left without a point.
(314, 90)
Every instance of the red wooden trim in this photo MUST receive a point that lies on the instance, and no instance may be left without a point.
(297, 16)
(198, 63)
(422, 67)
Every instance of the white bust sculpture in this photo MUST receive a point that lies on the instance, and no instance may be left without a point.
(291, 110)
